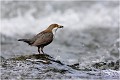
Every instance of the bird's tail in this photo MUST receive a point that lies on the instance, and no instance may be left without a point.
(25, 40)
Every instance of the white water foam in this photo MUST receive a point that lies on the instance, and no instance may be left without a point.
(97, 15)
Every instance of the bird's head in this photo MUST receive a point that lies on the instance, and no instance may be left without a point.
(55, 26)
(52, 26)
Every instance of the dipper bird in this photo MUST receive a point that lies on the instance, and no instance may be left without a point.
(43, 38)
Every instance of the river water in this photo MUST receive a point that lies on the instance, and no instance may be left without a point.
(90, 35)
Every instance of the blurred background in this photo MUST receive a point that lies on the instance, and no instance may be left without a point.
(90, 31)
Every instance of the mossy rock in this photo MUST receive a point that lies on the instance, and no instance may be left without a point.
(34, 56)
(44, 58)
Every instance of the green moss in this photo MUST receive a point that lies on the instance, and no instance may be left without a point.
(34, 56)
(19, 58)
(43, 58)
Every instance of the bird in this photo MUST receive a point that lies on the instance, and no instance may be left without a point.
(43, 38)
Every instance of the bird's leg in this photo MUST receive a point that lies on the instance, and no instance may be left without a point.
(44, 53)
(42, 50)
(39, 50)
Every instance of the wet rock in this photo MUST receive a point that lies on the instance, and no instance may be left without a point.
(114, 65)
(62, 71)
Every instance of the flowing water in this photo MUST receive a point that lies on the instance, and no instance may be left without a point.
(89, 39)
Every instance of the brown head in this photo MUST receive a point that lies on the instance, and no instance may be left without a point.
(52, 26)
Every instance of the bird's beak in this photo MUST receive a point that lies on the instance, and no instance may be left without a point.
(60, 26)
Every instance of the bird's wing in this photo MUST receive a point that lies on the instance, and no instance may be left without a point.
(32, 40)
(43, 38)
